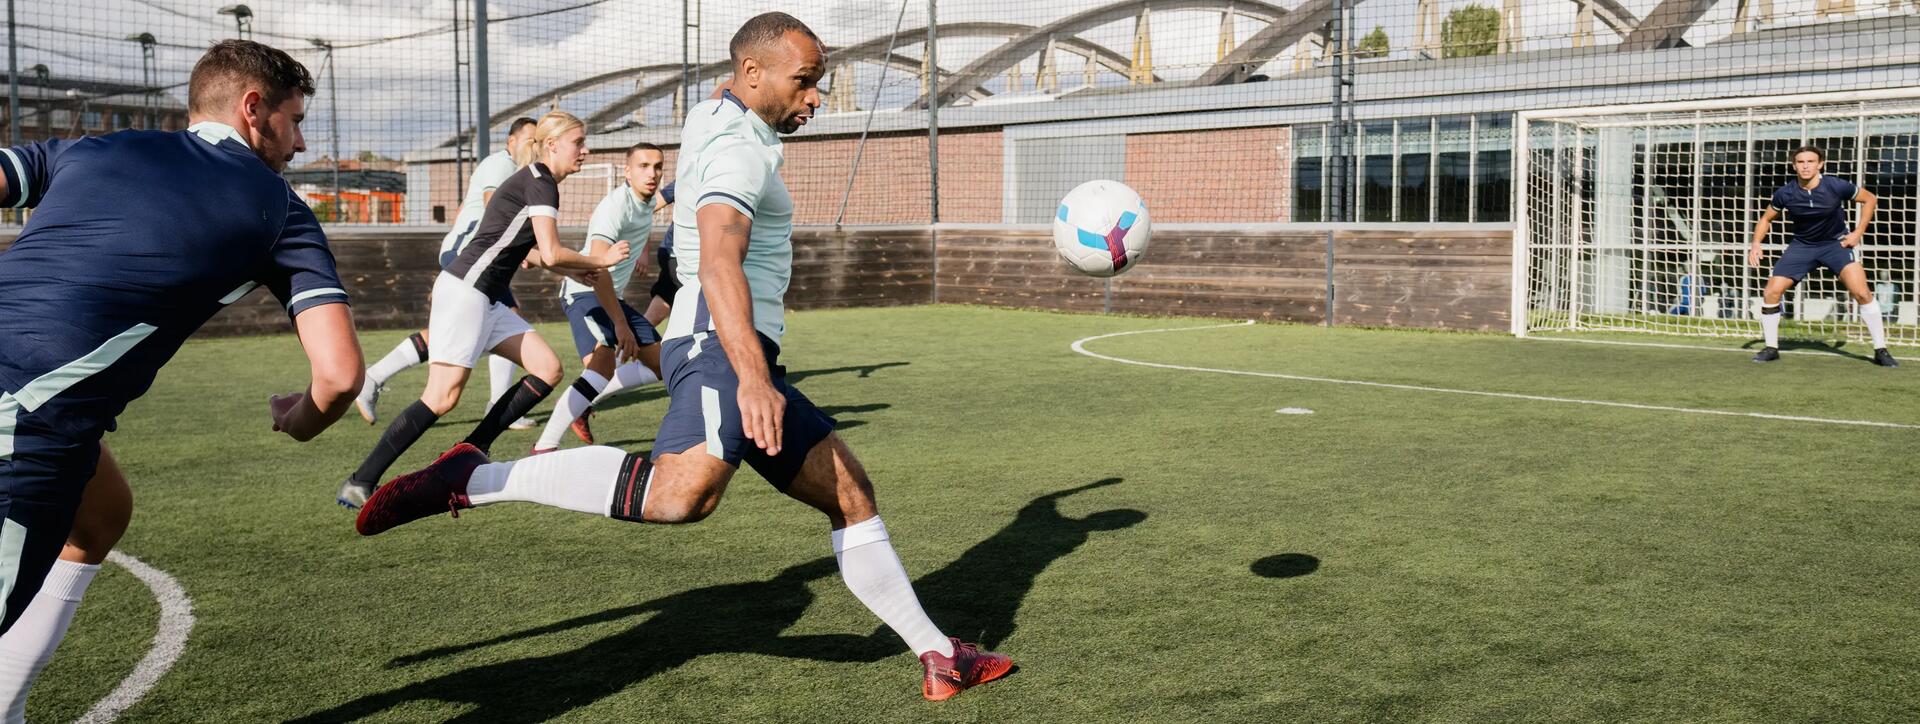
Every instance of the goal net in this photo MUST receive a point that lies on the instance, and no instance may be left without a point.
(1638, 218)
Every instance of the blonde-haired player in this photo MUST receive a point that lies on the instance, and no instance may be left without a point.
(469, 316)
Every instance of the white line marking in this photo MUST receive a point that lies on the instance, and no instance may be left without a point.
(1294, 411)
(1080, 346)
(176, 620)
(1665, 345)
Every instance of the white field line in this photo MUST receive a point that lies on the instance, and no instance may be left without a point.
(176, 620)
(1080, 346)
(1668, 345)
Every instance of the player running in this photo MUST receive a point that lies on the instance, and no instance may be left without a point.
(1816, 204)
(470, 316)
(729, 398)
(139, 237)
(626, 214)
(487, 176)
(666, 283)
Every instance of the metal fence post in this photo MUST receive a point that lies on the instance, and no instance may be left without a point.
(483, 129)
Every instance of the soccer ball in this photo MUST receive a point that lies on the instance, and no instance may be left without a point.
(1101, 228)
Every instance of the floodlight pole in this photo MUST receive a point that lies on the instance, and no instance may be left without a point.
(333, 121)
(482, 127)
(13, 80)
(242, 20)
(146, 41)
(933, 140)
(1337, 142)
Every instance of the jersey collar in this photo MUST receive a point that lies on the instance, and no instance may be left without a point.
(214, 132)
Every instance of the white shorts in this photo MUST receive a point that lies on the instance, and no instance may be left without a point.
(465, 325)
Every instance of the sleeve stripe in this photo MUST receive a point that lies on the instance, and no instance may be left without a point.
(311, 293)
(722, 194)
(547, 211)
(17, 178)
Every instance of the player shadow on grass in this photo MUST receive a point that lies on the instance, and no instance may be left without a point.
(975, 597)
(1827, 347)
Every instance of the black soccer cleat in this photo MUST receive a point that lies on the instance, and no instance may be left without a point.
(1767, 354)
(1884, 358)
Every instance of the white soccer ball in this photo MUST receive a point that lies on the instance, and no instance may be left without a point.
(1102, 228)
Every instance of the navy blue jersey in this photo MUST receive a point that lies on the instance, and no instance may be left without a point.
(666, 242)
(137, 239)
(1819, 215)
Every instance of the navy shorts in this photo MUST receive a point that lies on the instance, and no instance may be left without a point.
(703, 409)
(668, 283)
(1802, 258)
(42, 473)
(593, 328)
(446, 258)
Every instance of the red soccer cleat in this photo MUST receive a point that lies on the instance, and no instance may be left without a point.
(969, 667)
(439, 487)
(582, 428)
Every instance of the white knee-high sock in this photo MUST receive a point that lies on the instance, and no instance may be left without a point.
(1876, 326)
(404, 355)
(581, 479)
(501, 374)
(29, 645)
(572, 405)
(1770, 325)
(626, 377)
(873, 572)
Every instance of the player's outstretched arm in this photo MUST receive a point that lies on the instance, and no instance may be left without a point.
(1760, 231)
(336, 371)
(557, 257)
(723, 279)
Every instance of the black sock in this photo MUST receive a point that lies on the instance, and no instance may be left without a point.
(406, 429)
(419, 345)
(511, 406)
(630, 489)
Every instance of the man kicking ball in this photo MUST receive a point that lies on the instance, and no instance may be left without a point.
(729, 397)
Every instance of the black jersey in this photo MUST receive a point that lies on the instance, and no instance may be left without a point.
(505, 234)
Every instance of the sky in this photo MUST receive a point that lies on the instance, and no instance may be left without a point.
(400, 95)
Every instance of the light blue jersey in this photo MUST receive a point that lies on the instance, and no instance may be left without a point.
(487, 176)
(728, 155)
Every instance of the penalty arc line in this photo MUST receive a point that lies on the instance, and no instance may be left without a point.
(169, 641)
(1080, 347)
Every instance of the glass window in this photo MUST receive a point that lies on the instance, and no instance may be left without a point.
(1493, 170)
(1309, 192)
(1451, 164)
(1416, 149)
(1376, 159)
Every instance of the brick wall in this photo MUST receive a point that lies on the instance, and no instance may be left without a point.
(1235, 175)
(893, 186)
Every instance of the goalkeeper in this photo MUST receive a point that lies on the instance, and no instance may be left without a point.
(1817, 207)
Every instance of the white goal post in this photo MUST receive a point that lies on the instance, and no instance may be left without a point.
(1637, 219)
